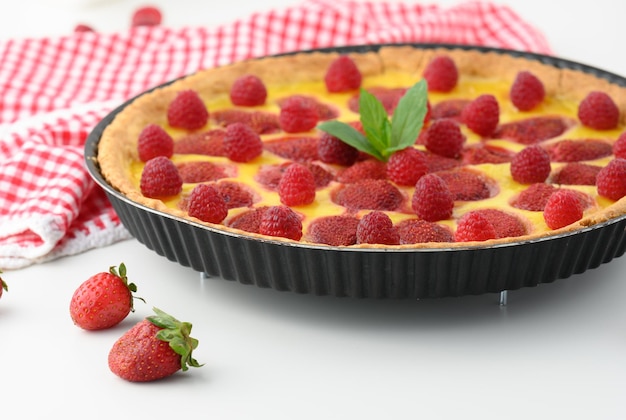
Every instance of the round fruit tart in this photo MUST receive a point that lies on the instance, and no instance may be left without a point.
(399, 147)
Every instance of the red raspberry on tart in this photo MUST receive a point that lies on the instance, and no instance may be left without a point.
(154, 141)
(406, 166)
(482, 115)
(611, 179)
(296, 186)
(432, 199)
(527, 91)
(563, 208)
(474, 226)
(241, 143)
(619, 148)
(531, 165)
(207, 204)
(334, 230)
(376, 228)
(281, 221)
(598, 110)
(441, 74)
(187, 111)
(342, 75)
(248, 90)
(160, 178)
(445, 138)
(298, 115)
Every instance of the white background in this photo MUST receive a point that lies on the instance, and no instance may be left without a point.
(557, 351)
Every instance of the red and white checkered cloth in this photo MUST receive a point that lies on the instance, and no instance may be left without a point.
(54, 90)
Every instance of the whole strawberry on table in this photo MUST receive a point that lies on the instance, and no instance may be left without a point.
(156, 347)
(103, 300)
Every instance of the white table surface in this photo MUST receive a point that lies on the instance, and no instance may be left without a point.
(557, 351)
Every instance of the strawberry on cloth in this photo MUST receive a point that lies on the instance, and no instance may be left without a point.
(53, 91)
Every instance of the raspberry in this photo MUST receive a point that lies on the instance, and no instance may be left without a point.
(576, 173)
(200, 171)
(530, 165)
(376, 228)
(444, 138)
(450, 108)
(261, 122)
(210, 143)
(506, 225)
(296, 186)
(332, 150)
(577, 150)
(325, 111)
(438, 163)
(334, 230)
(388, 97)
(484, 153)
(281, 221)
(611, 180)
(366, 169)
(248, 90)
(146, 16)
(81, 27)
(322, 176)
(597, 110)
(342, 75)
(160, 178)
(302, 149)
(235, 194)
(154, 141)
(527, 91)
(533, 198)
(406, 166)
(369, 194)
(619, 147)
(532, 130)
(187, 111)
(432, 200)
(473, 226)
(441, 74)
(298, 115)
(269, 175)
(207, 204)
(248, 221)
(415, 231)
(466, 185)
(241, 143)
(482, 115)
(563, 208)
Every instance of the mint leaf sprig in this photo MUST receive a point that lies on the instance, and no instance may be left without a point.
(383, 136)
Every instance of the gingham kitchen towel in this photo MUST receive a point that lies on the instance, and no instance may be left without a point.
(53, 91)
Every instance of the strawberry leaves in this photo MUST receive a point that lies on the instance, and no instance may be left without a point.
(383, 136)
(177, 335)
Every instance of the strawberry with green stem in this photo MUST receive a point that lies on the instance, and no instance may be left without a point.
(156, 347)
(103, 300)
(384, 136)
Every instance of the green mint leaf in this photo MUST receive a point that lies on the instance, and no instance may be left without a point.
(384, 136)
(375, 121)
(408, 117)
(350, 135)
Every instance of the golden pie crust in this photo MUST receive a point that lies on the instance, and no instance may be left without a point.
(117, 149)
